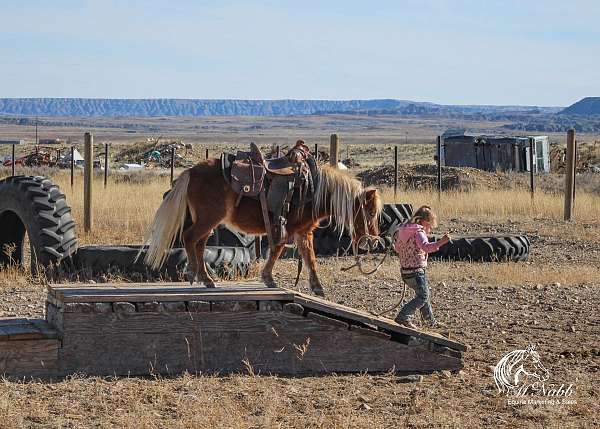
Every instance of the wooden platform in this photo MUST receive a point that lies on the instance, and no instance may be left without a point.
(28, 347)
(140, 329)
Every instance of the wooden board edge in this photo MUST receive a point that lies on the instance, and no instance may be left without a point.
(351, 313)
(179, 297)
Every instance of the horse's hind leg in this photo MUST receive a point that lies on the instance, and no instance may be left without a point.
(194, 239)
(203, 275)
(189, 242)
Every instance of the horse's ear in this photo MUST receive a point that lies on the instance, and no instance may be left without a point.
(370, 194)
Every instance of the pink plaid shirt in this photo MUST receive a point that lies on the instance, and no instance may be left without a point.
(413, 246)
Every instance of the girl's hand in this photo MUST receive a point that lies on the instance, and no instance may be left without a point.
(445, 239)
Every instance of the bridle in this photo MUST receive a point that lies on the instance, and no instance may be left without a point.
(372, 242)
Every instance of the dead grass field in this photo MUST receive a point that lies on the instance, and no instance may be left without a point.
(123, 210)
(551, 300)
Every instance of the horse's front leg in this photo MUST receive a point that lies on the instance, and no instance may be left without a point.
(203, 275)
(267, 271)
(307, 251)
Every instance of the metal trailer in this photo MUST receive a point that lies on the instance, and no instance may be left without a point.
(493, 153)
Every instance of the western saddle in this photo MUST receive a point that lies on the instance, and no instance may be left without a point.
(280, 184)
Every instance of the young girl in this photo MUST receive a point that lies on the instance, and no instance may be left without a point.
(413, 247)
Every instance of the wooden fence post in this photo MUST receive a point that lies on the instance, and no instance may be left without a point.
(439, 166)
(88, 177)
(334, 150)
(13, 160)
(395, 172)
(206, 153)
(532, 167)
(72, 165)
(570, 174)
(575, 159)
(105, 164)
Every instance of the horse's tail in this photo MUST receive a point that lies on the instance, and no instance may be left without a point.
(168, 221)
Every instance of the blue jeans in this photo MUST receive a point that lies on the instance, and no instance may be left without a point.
(422, 300)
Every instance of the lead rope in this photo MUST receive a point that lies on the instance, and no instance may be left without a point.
(399, 304)
(372, 241)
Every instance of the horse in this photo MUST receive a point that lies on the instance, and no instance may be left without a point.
(516, 365)
(203, 191)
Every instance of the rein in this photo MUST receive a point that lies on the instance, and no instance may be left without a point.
(372, 242)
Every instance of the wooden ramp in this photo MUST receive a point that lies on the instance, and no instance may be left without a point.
(140, 329)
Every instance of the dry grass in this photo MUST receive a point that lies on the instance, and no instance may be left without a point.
(122, 212)
(500, 204)
(125, 208)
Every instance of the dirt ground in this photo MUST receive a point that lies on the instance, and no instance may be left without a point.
(550, 301)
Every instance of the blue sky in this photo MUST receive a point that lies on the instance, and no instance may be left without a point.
(450, 52)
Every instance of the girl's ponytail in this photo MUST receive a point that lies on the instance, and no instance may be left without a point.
(424, 213)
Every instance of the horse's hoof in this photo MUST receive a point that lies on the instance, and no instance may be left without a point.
(209, 284)
(269, 282)
(190, 278)
(318, 290)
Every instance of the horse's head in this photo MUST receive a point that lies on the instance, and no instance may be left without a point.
(532, 366)
(367, 209)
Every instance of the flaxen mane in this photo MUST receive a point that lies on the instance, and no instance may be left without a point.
(337, 192)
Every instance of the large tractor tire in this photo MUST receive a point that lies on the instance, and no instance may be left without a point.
(223, 262)
(392, 216)
(491, 248)
(34, 205)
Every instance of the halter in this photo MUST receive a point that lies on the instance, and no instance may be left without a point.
(372, 242)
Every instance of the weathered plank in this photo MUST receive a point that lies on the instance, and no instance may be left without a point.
(327, 320)
(7, 325)
(371, 332)
(162, 291)
(12, 321)
(29, 358)
(22, 332)
(15, 329)
(339, 310)
(47, 331)
(149, 296)
(149, 285)
(267, 341)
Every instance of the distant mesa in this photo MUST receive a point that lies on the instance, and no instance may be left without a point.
(106, 107)
(585, 106)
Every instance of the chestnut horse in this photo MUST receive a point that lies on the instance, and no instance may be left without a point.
(203, 190)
